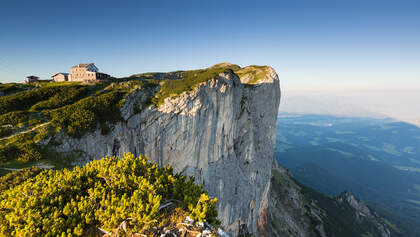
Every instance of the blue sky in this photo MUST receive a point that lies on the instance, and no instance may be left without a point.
(334, 45)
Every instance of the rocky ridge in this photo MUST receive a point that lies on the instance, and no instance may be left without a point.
(364, 213)
(222, 132)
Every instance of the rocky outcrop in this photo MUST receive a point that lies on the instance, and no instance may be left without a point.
(298, 211)
(363, 213)
(290, 212)
(222, 132)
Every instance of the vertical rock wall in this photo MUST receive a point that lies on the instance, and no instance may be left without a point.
(222, 133)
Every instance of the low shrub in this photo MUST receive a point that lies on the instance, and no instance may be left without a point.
(34, 121)
(8, 88)
(13, 118)
(29, 152)
(68, 95)
(5, 131)
(101, 195)
(21, 152)
(15, 178)
(23, 146)
(83, 116)
(25, 99)
(8, 152)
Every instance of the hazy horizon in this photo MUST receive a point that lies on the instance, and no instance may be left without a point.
(398, 104)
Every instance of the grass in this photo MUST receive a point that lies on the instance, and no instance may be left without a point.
(63, 106)
(48, 95)
(251, 75)
(188, 81)
(10, 88)
(23, 147)
(51, 158)
(77, 108)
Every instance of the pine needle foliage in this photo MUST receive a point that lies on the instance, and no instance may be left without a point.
(84, 115)
(15, 178)
(13, 118)
(9, 88)
(100, 195)
(25, 99)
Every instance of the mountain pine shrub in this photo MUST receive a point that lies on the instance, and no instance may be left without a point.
(84, 115)
(99, 197)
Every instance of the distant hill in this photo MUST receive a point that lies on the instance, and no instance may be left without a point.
(378, 160)
(206, 123)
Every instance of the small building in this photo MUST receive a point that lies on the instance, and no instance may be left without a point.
(86, 72)
(31, 79)
(61, 76)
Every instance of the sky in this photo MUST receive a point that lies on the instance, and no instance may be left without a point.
(402, 105)
(313, 45)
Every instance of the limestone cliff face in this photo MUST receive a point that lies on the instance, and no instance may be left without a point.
(222, 133)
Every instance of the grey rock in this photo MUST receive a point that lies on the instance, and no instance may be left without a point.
(222, 133)
(364, 213)
(290, 213)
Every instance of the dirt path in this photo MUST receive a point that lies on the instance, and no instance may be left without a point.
(26, 131)
(9, 169)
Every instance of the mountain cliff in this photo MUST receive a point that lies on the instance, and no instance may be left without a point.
(216, 124)
(222, 132)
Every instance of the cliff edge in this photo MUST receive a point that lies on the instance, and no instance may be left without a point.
(222, 132)
(216, 124)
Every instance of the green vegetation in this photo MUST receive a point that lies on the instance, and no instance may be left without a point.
(101, 196)
(83, 116)
(342, 219)
(23, 147)
(32, 112)
(13, 118)
(29, 152)
(15, 178)
(25, 99)
(339, 218)
(391, 225)
(36, 112)
(66, 95)
(187, 81)
(252, 74)
(5, 131)
(9, 88)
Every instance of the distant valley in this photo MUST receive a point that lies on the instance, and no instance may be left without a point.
(377, 159)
